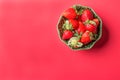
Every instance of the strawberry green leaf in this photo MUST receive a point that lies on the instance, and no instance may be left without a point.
(67, 25)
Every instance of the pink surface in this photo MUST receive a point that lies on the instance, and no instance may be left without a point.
(31, 50)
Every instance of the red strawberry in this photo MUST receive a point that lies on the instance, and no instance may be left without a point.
(81, 28)
(86, 15)
(67, 34)
(86, 37)
(74, 23)
(91, 28)
(96, 21)
(70, 13)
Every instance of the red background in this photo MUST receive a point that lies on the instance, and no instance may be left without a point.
(31, 50)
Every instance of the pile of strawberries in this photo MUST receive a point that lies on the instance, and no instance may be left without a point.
(81, 26)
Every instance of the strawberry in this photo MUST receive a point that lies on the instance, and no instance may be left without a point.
(67, 34)
(70, 13)
(91, 28)
(81, 28)
(86, 15)
(74, 42)
(74, 23)
(86, 37)
(96, 21)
